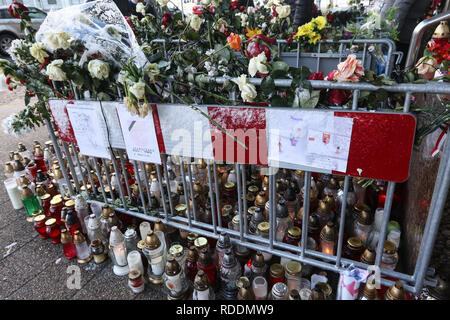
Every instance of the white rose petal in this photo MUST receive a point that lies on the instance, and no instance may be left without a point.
(256, 64)
(57, 40)
(54, 71)
(38, 52)
(140, 8)
(98, 69)
(138, 89)
(283, 11)
(195, 22)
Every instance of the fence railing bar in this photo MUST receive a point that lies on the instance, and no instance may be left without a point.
(147, 186)
(166, 177)
(119, 178)
(161, 188)
(108, 179)
(342, 222)
(139, 183)
(384, 224)
(125, 173)
(217, 191)
(305, 218)
(80, 167)
(244, 197)
(239, 199)
(59, 156)
(185, 192)
(191, 190)
(99, 177)
(211, 197)
(71, 166)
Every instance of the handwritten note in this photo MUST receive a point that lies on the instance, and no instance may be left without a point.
(88, 128)
(139, 135)
(315, 139)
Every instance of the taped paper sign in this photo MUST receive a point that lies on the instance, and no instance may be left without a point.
(61, 118)
(88, 128)
(186, 132)
(315, 139)
(139, 136)
(108, 114)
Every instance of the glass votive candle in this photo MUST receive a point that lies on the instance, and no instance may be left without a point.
(31, 169)
(39, 225)
(52, 229)
(135, 261)
(136, 281)
(259, 287)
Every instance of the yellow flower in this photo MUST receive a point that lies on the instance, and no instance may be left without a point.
(314, 37)
(320, 21)
(252, 31)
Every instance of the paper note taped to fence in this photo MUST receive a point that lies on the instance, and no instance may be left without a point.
(315, 139)
(139, 136)
(88, 128)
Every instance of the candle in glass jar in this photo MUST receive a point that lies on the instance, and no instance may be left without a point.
(13, 193)
(135, 261)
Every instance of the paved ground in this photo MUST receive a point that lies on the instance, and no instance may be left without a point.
(32, 268)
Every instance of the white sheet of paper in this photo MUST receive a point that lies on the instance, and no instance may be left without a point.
(112, 121)
(315, 139)
(139, 136)
(88, 128)
(186, 132)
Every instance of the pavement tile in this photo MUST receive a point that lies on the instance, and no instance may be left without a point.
(52, 282)
(107, 286)
(20, 232)
(14, 273)
(8, 214)
(152, 292)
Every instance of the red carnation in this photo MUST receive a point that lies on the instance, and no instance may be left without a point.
(337, 96)
(15, 9)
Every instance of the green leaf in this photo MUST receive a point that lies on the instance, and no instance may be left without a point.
(280, 66)
(267, 85)
(312, 101)
(277, 101)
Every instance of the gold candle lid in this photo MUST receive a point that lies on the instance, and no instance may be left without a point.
(56, 200)
(295, 232)
(9, 168)
(45, 197)
(50, 222)
(253, 189)
(134, 274)
(159, 226)
(442, 31)
(396, 292)
(354, 243)
(172, 266)
(38, 152)
(26, 192)
(151, 241)
(263, 227)
(276, 270)
(299, 174)
(200, 242)
(57, 173)
(66, 237)
(369, 291)
(70, 203)
(106, 211)
(293, 268)
(323, 207)
(39, 218)
(176, 250)
(389, 247)
(229, 185)
(328, 232)
(368, 256)
(260, 200)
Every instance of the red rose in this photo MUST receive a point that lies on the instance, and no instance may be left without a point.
(234, 5)
(254, 49)
(330, 76)
(316, 76)
(198, 10)
(274, 13)
(212, 9)
(167, 18)
(330, 18)
(8, 80)
(337, 96)
(15, 9)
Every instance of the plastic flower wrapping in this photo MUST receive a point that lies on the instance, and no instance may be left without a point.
(99, 26)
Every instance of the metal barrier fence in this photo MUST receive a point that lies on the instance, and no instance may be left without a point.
(338, 50)
(241, 235)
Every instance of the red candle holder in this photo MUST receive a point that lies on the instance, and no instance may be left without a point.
(32, 170)
(39, 225)
(53, 230)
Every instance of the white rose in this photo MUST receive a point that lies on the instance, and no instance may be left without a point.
(244, 18)
(163, 2)
(248, 91)
(195, 22)
(140, 8)
(57, 40)
(152, 70)
(283, 11)
(38, 52)
(54, 71)
(205, 2)
(98, 69)
(273, 20)
(256, 64)
(138, 89)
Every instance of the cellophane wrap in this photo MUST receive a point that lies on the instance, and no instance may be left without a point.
(100, 26)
